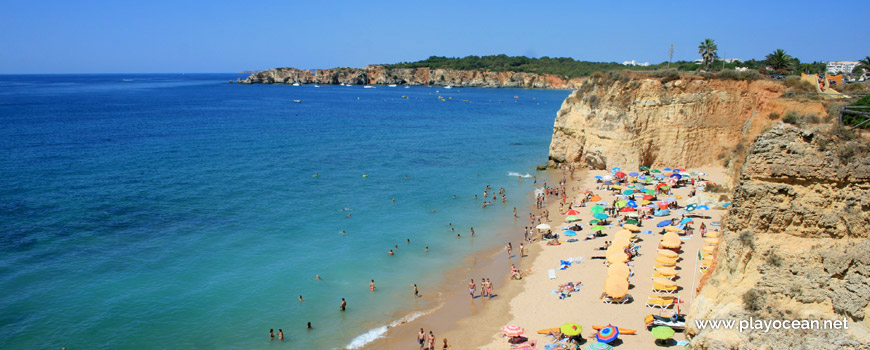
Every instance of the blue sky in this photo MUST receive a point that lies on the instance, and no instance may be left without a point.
(230, 36)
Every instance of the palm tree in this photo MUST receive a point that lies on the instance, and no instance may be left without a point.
(779, 60)
(708, 49)
(863, 65)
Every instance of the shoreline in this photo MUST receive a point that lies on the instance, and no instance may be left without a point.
(453, 306)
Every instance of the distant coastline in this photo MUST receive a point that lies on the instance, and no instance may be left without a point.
(423, 76)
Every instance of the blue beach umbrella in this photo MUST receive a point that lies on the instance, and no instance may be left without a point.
(569, 233)
(685, 221)
(676, 176)
(659, 176)
(703, 207)
(664, 223)
(608, 182)
(615, 169)
(600, 216)
(598, 177)
(667, 169)
(632, 174)
(632, 204)
(628, 192)
(607, 334)
(691, 207)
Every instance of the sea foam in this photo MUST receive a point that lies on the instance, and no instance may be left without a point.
(515, 174)
(378, 332)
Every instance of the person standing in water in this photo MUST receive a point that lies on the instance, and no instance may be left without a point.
(280, 334)
(272, 334)
(372, 285)
(343, 304)
(472, 231)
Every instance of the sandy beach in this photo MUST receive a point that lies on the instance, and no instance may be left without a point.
(535, 307)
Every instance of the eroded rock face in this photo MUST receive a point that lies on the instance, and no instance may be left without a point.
(375, 74)
(617, 121)
(795, 245)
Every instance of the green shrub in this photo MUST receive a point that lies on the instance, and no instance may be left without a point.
(791, 118)
(773, 116)
(752, 300)
(747, 239)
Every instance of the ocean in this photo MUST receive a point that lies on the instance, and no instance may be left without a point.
(178, 211)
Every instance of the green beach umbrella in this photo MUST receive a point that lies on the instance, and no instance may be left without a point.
(644, 167)
(598, 228)
(662, 332)
(628, 192)
(657, 171)
(598, 346)
(571, 218)
(594, 222)
(600, 216)
(631, 221)
(649, 192)
(595, 209)
(571, 329)
(621, 203)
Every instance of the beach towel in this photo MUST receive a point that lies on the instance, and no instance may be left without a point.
(646, 232)
(551, 273)
(569, 233)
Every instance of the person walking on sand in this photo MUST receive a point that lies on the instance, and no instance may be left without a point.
(431, 342)
(489, 288)
(522, 249)
(471, 288)
(445, 347)
(343, 304)
(421, 337)
(509, 250)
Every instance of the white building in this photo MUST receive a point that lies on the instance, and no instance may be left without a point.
(837, 67)
(635, 63)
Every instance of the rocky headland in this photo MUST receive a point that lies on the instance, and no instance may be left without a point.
(795, 241)
(380, 75)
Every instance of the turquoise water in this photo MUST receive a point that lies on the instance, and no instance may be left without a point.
(177, 211)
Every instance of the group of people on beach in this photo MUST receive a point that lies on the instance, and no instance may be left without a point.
(485, 288)
(427, 342)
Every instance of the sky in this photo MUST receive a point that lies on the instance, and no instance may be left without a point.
(119, 36)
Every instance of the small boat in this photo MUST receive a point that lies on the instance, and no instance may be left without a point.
(407, 86)
(297, 101)
(315, 85)
(368, 87)
(348, 84)
(342, 84)
(295, 84)
(392, 85)
(448, 87)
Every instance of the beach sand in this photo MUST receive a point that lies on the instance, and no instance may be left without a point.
(534, 307)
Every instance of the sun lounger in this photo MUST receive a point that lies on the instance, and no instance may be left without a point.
(658, 275)
(664, 289)
(662, 302)
(608, 300)
(551, 273)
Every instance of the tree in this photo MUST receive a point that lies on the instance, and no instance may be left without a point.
(863, 65)
(779, 60)
(708, 50)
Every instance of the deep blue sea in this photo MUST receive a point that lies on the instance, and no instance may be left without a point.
(179, 211)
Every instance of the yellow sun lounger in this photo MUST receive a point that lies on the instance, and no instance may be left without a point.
(662, 302)
(659, 275)
(661, 285)
(608, 300)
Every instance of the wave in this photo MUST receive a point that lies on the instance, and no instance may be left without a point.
(515, 174)
(378, 332)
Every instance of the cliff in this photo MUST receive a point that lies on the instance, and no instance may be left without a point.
(618, 120)
(375, 74)
(795, 244)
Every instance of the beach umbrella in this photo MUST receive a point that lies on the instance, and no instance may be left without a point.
(631, 221)
(673, 229)
(664, 223)
(598, 177)
(628, 192)
(659, 176)
(571, 218)
(676, 176)
(685, 221)
(691, 207)
(598, 346)
(572, 212)
(621, 243)
(642, 177)
(671, 236)
(671, 244)
(645, 202)
(607, 334)
(543, 227)
(600, 216)
(631, 227)
(647, 197)
(713, 234)
(595, 209)
(601, 203)
(671, 199)
(618, 187)
(513, 330)
(667, 271)
(682, 212)
(618, 270)
(649, 192)
(570, 329)
(619, 174)
(569, 233)
(598, 228)
(713, 241)
(616, 287)
(668, 253)
(666, 260)
(655, 171)
(667, 169)
(644, 168)
(627, 209)
(608, 177)
(623, 234)
(662, 212)
(708, 248)
(702, 207)
(595, 198)
(666, 187)
(594, 222)
(664, 282)
(615, 169)
(662, 205)
(621, 203)
(633, 174)
(616, 258)
(632, 204)
(662, 332)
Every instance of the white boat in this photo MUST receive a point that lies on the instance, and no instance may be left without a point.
(297, 101)
(392, 85)
(368, 87)
(348, 84)
(295, 84)
(448, 87)
(407, 86)
(342, 84)
(315, 85)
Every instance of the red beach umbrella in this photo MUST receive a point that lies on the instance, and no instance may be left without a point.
(513, 330)
(572, 212)
(627, 209)
(619, 174)
(648, 197)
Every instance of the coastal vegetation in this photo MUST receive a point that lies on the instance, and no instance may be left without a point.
(709, 51)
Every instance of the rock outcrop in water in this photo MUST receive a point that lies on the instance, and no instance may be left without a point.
(616, 120)
(795, 245)
(375, 74)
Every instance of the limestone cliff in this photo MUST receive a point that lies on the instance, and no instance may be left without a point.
(375, 74)
(617, 120)
(795, 244)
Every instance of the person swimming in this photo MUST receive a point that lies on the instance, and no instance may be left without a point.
(390, 252)
(372, 285)
(316, 175)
